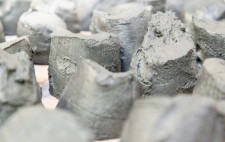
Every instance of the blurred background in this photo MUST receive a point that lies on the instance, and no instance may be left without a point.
(77, 15)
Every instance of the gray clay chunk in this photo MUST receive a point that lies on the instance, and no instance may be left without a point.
(36, 124)
(18, 84)
(100, 99)
(209, 37)
(179, 119)
(39, 32)
(85, 9)
(69, 50)
(18, 45)
(166, 62)
(211, 82)
(129, 22)
(65, 9)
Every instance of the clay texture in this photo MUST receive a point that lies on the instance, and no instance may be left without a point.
(35, 124)
(209, 37)
(166, 62)
(184, 118)
(100, 99)
(18, 83)
(39, 32)
(68, 51)
(10, 12)
(18, 45)
(65, 9)
(211, 82)
(129, 22)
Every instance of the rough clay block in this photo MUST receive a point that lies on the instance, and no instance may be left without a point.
(127, 21)
(18, 45)
(18, 83)
(67, 52)
(65, 9)
(39, 32)
(210, 38)
(2, 33)
(211, 82)
(166, 62)
(184, 118)
(85, 9)
(10, 12)
(35, 124)
(100, 99)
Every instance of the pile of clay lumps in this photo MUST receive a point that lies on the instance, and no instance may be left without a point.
(134, 70)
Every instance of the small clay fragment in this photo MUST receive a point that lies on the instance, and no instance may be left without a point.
(100, 99)
(209, 37)
(69, 50)
(180, 119)
(18, 45)
(129, 22)
(18, 83)
(211, 82)
(39, 32)
(35, 124)
(65, 9)
(10, 12)
(166, 63)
